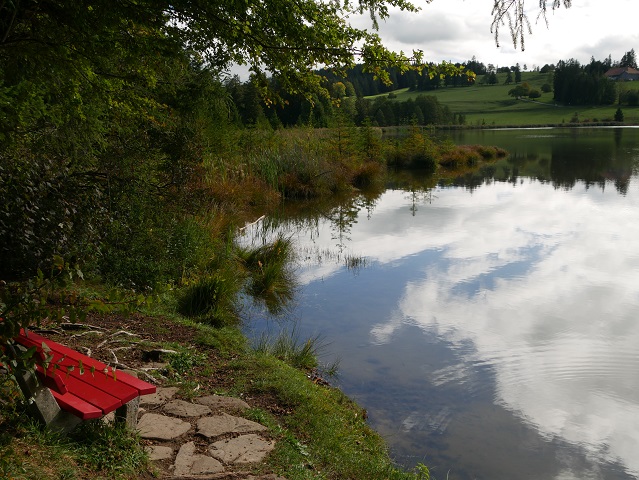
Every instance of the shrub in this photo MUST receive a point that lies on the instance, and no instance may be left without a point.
(368, 174)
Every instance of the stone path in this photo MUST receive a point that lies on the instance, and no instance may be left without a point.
(200, 439)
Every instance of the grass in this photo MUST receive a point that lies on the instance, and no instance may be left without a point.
(320, 433)
(325, 435)
(491, 104)
(95, 450)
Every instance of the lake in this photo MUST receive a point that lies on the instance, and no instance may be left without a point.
(489, 325)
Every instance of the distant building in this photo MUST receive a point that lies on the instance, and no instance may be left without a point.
(623, 74)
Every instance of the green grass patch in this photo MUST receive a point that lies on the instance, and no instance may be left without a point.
(95, 450)
(488, 105)
(325, 435)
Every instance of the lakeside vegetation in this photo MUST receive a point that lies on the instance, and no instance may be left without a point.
(127, 167)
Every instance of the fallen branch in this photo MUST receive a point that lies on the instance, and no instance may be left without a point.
(123, 332)
(241, 229)
(87, 351)
(47, 331)
(78, 326)
(86, 333)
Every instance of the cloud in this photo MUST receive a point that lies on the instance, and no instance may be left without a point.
(457, 29)
(561, 336)
(410, 29)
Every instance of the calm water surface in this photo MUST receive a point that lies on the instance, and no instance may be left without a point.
(490, 327)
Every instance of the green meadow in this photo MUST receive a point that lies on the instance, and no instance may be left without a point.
(484, 104)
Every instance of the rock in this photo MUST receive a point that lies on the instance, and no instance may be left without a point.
(188, 463)
(220, 402)
(161, 427)
(223, 424)
(160, 397)
(159, 452)
(180, 408)
(157, 355)
(249, 448)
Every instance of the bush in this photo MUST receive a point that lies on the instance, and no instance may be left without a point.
(368, 174)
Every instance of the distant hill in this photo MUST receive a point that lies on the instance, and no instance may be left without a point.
(483, 104)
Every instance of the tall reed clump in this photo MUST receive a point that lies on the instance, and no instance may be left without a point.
(264, 273)
(211, 294)
(288, 347)
(298, 163)
(270, 275)
(470, 156)
(213, 298)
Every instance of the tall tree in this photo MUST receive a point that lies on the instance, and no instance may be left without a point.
(629, 59)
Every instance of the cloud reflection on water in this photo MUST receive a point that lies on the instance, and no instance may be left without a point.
(538, 284)
(561, 339)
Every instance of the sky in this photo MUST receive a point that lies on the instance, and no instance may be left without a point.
(455, 30)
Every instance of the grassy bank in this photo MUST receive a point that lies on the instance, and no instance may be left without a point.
(491, 105)
(320, 433)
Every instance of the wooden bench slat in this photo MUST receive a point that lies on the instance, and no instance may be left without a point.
(36, 340)
(97, 379)
(90, 392)
(143, 388)
(77, 406)
(87, 392)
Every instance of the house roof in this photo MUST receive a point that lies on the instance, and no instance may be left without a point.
(615, 72)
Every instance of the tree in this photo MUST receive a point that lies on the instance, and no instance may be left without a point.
(522, 90)
(619, 115)
(629, 59)
(509, 78)
(517, 74)
(583, 85)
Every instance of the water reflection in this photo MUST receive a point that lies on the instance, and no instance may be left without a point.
(493, 333)
(562, 157)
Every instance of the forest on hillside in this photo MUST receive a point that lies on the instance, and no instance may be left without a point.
(348, 96)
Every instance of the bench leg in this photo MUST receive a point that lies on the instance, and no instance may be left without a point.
(128, 413)
(42, 405)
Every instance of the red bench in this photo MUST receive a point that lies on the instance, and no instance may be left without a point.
(79, 384)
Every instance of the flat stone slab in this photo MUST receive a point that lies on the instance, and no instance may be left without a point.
(160, 397)
(249, 448)
(159, 452)
(189, 463)
(181, 408)
(221, 402)
(161, 427)
(224, 424)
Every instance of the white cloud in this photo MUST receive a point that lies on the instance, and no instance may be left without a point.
(458, 29)
(561, 339)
